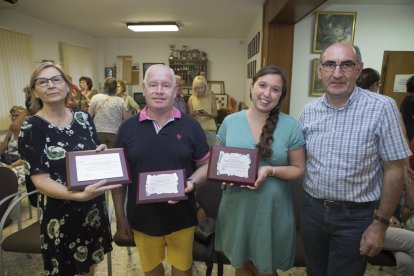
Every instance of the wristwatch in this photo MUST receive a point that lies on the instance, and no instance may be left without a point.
(194, 183)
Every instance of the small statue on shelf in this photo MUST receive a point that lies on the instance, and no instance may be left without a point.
(183, 52)
(172, 47)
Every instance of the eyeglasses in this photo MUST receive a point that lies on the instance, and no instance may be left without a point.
(345, 66)
(43, 82)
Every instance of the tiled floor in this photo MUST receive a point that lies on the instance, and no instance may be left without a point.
(123, 264)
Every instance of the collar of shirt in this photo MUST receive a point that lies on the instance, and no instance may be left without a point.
(352, 98)
(143, 115)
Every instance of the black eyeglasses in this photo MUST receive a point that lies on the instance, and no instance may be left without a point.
(43, 82)
(347, 66)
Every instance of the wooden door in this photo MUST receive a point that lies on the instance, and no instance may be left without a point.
(393, 63)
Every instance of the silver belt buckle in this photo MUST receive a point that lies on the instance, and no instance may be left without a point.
(326, 203)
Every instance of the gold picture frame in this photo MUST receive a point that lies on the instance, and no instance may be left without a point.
(316, 88)
(217, 87)
(331, 27)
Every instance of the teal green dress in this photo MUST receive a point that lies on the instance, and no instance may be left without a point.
(259, 225)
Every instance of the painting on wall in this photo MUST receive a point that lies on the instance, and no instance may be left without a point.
(316, 88)
(331, 27)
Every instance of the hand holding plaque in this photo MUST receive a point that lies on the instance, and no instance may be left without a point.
(235, 165)
(84, 168)
(161, 186)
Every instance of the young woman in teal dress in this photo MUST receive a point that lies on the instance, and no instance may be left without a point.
(74, 227)
(255, 226)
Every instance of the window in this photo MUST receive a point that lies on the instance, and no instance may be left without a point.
(16, 65)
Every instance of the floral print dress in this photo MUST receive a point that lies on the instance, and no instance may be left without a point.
(74, 235)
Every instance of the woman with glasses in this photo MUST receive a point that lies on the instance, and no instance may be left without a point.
(74, 228)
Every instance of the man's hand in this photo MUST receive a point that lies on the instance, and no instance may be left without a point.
(373, 239)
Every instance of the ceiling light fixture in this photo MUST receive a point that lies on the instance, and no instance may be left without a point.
(153, 27)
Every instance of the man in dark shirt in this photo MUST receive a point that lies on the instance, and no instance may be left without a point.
(161, 138)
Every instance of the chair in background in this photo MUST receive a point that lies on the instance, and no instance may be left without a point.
(26, 240)
(208, 196)
(118, 240)
(8, 190)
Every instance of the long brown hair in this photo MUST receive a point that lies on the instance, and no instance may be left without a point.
(266, 137)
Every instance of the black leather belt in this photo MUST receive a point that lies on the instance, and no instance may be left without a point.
(332, 204)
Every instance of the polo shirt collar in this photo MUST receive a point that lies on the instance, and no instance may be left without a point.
(143, 115)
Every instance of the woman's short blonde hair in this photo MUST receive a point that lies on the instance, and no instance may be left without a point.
(200, 80)
(36, 103)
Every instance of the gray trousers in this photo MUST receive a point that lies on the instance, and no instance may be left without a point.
(401, 243)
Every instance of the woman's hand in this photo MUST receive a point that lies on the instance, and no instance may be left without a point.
(95, 190)
(101, 147)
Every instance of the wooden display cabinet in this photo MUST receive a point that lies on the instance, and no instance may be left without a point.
(189, 68)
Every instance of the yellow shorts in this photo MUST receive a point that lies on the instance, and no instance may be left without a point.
(179, 249)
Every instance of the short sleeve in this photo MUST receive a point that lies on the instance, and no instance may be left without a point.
(221, 134)
(392, 144)
(32, 142)
(297, 139)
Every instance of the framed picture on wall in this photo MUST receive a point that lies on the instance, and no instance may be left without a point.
(222, 101)
(145, 66)
(331, 27)
(316, 88)
(217, 87)
(109, 72)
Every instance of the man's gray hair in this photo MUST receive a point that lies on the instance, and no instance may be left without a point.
(157, 66)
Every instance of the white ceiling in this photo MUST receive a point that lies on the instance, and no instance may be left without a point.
(197, 18)
(108, 18)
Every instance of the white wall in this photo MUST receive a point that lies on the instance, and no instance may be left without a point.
(225, 57)
(46, 36)
(378, 28)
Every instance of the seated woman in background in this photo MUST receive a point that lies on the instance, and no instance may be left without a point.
(399, 238)
(10, 157)
(203, 107)
(129, 102)
(369, 79)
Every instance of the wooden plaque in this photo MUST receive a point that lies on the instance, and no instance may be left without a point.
(161, 186)
(88, 167)
(233, 165)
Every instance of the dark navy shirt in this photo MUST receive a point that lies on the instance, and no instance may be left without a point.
(179, 144)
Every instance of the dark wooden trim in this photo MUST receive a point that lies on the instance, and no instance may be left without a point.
(279, 19)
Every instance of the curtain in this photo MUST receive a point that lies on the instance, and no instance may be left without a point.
(77, 61)
(16, 65)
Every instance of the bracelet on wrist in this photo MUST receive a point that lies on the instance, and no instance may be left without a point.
(383, 220)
